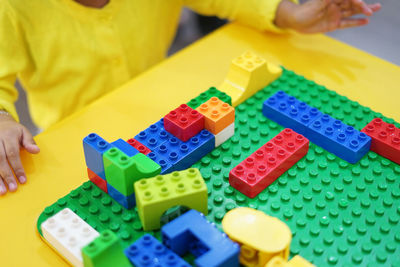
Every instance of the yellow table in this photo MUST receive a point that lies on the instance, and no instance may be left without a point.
(60, 166)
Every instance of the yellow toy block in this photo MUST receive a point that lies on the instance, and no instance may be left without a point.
(156, 195)
(247, 74)
(296, 261)
(261, 237)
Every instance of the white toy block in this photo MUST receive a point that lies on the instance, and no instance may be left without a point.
(68, 234)
(225, 134)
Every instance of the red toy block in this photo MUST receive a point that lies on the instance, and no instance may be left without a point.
(385, 139)
(184, 122)
(139, 146)
(97, 180)
(270, 161)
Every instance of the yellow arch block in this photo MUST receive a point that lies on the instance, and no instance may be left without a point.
(260, 236)
(296, 261)
(247, 74)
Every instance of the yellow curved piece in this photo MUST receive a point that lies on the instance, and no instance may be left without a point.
(296, 261)
(247, 74)
(260, 236)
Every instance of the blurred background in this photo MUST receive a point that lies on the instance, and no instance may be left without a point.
(381, 37)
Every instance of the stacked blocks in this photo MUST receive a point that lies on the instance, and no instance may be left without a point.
(218, 114)
(156, 195)
(97, 180)
(154, 135)
(203, 97)
(122, 171)
(191, 232)
(68, 234)
(139, 146)
(148, 251)
(94, 147)
(338, 138)
(104, 251)
(184, 122)
(269, 162)
(126, 148)
(385, 139)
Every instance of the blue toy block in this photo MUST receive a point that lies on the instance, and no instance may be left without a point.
(148, 251)
(94, 147)
(154, 135)
(338, 138)
(191, 232)
(128, 202)
(290, 112)
(166, 166)
(126, 148)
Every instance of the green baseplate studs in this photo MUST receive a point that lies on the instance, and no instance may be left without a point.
(340, 214)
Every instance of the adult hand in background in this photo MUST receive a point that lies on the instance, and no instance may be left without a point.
(318, 16)
(13, 137)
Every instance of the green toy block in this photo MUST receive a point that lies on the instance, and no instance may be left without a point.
(203, 97)
(156, 195)
(122, 171)
(106, 250)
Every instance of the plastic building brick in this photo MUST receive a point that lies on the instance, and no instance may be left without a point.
(106, 250)
(205, 96)
(269, 162)
(154, 136)
(247, 74)
(94, 146)
(68, 234)
(128, 202)
(296, 261)
(218, 115)
(97, 180)
(156, 195)
(331, 134)
(126, 148)
(385, 139)
(184, 122)
(122, 171)
(290, 112)
(191, 232)
(148, 251)
(260, 236)
(224, 135)
(139, 146)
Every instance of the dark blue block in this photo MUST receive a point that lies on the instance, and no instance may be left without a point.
(338, 138)
(289, 112)
(148, 251)
(191, 232)
(166, 166)
(128, 202)
(94, 147)
(126, 148)
(154, 136)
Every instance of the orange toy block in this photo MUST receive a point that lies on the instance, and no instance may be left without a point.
(218, 114)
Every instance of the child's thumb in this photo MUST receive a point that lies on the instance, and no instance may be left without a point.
(28, 143)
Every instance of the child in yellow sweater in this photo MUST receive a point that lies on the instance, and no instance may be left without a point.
(67, 53)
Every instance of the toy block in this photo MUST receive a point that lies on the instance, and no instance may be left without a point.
(289, 112)
(224, 135)
(122, 171)
(154, 135)
(203, 97)
(166, 166)
(296, 261)
(148, 251)
(128, 202)
(156, 195)
(191, 232)
(184, 122)
(218, 115)
(385, 139)
(97, 180)
(247, 74)
(94, 147)
(126, 148)
(106, 250)
(67, 233)
(261, 237)
(139, 146)
(270, 161)
(338, 138)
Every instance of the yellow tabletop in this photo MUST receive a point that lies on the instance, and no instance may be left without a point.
(60, 166)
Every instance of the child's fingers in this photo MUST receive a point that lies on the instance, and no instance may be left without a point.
(362, 6)
(3, 188)
(5, 170)
(375, 7)
(348, 23)
(28, 143)
(12, 152)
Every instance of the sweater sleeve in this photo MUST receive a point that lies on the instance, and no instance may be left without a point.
(12, 57)
(259, 14)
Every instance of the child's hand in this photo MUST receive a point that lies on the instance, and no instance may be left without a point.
(13, 136)
(315, 16)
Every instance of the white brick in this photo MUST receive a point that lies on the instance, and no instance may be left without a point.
(225, 134)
